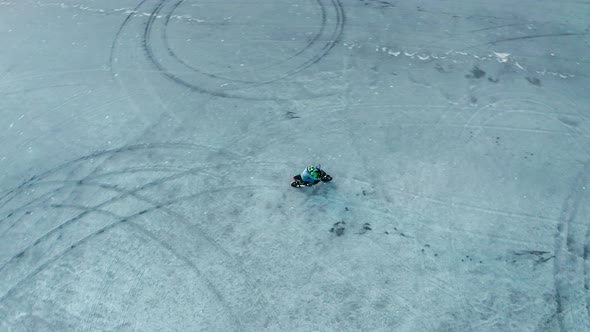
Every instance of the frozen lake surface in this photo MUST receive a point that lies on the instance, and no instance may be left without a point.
(148, 146)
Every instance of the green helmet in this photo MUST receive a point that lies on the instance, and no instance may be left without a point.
(314, 171)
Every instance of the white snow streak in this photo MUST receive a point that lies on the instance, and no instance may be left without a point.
(498, 56)
(123, 11)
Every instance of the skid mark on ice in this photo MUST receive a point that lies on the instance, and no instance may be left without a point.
(92, 313)
(234, 265)
(453, 205)
(564, 246)
(112, 60)
(14, 222)
(86, 182)
(499, 27)
(517, 111)
(124, 194)
(219, 297)
(35, 180)
(548, 35)
(586, 267)
(118, 36)
(157, 63)
(369, 211)
(443, 286)
(40, 88)
(255, 83)
(524, 104)
(102, 230)
(163, 8)
(568, 131)
(384, 214)
(114, 268)
(43, 266)
(92, 108)
(10, 194)
(81, 112)
(357, 285)
(37, 76)
(177, 172)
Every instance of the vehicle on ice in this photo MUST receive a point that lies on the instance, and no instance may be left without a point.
(310, 176)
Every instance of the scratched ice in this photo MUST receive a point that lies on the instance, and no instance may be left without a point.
(148, 147)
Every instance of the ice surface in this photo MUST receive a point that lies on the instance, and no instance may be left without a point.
(148, 146)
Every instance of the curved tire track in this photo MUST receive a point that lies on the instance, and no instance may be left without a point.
(564, 247)
(104, 229)
(177, 173)
(158, 12)
(10, 194)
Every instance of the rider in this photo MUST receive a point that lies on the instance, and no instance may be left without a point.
(310, 176)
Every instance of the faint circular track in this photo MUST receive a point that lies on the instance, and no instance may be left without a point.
(565, 248)
(146, 154)
(325, 47)
(146, 147)
(167, 61)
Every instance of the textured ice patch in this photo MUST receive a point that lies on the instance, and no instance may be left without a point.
(502, 57)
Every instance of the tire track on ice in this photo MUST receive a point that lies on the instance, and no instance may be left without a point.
(564, 247)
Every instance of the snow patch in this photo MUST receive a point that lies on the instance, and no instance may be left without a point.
(552, 73)
(502, 57)
(518, 65)
(123, 11)
(351, 46)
